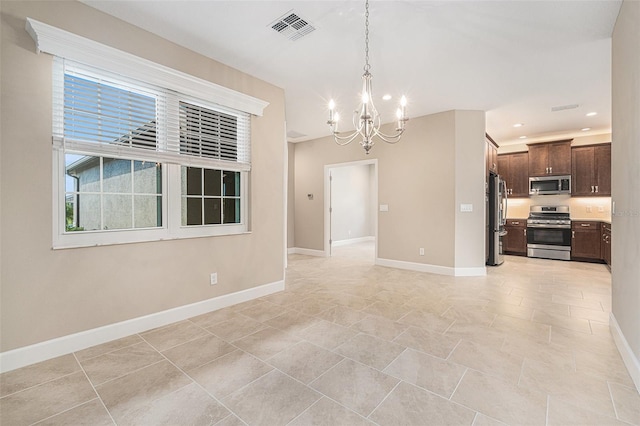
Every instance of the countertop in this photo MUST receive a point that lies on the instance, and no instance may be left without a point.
(588, 219)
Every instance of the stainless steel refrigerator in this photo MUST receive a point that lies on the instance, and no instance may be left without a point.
(497, 218)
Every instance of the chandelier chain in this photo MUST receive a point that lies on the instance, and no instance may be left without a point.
(367, 67)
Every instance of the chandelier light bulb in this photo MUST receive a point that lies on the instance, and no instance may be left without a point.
(365, 98)
(332, 105)
(403, 101)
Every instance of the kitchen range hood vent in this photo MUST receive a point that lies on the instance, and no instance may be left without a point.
(292, 26)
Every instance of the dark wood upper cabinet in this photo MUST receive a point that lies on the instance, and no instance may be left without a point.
(602, 155)
(591, 170)
(491, 154)
(514, 169)
(550, 158)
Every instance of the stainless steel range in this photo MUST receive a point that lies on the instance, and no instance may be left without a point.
(549, 232)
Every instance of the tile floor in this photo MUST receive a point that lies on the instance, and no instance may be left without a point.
(349, 343)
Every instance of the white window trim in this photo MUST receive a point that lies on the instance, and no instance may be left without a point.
(172, 228)
(67, 45)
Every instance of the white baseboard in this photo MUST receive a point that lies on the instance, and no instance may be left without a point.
(305, 251)
(339, 243)
(433, 269)
(43, 351)
(630, 360)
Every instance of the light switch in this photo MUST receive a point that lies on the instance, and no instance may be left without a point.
(466, 208)
(384, 207)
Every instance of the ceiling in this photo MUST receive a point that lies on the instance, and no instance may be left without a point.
(516, 60)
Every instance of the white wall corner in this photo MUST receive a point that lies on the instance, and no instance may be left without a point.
(11, 360)
(628, 357)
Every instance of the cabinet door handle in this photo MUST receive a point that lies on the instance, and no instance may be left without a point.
(596, 188)
(515, 223)
(551, 169)
(546, 170)
(573, 234)
(591, 188)
(525, 232)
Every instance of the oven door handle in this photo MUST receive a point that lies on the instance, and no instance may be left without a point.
(554, 226)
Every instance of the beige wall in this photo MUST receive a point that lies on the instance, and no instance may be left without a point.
(419, 179)
(352, 211)
(291, 207)
(470, 189)
(48, 294)
(625, 179)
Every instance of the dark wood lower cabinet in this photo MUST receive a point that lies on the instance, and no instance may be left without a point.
(586, 240)
(515, 242)
(590, 240)
(605, 244)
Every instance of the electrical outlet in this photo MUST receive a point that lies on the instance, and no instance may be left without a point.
(601, 209)
(421, 251)
(588, 209)
(214, 278)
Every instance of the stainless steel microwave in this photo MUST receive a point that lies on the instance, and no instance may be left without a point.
(546, 185)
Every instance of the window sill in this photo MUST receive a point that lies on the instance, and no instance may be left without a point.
(81, 244)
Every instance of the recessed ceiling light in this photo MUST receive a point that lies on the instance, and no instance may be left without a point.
(591, 114)
(386, 97)
(585, 129)
(518, 125)
(523, 137)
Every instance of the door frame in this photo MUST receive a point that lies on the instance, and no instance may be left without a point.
(327, 201)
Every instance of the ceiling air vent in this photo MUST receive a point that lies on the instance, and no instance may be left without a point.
(563, 107)
(292, 26)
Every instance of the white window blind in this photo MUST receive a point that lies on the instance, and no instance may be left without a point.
(213, 134)
(97, 112)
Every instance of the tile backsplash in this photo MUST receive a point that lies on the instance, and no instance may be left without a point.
(589, 208)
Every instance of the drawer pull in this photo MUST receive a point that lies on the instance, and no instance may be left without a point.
(586, 225)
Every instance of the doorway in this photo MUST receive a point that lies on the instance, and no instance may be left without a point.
(351, 219)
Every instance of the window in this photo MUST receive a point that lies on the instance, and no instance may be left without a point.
(138, 162)
(109, 193)
(210, 197)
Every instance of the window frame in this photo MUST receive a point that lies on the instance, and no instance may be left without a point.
(172, 227)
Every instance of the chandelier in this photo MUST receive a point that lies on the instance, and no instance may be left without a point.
(366, 119)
